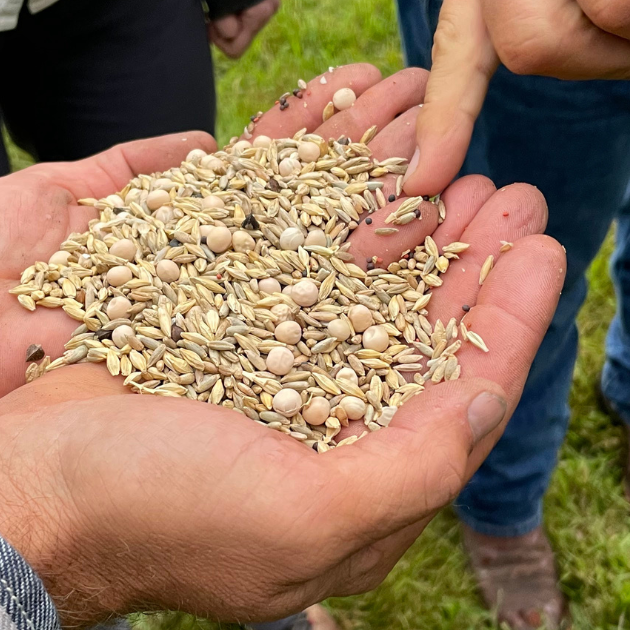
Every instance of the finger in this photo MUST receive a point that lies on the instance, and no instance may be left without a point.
(556, 38)
(378, 105)
(257, 16)
(227, 27)
(234, 48)
(612, 17)
(510, 214)
(463, 200)
(110, 171)
(463, 62)
(513, 311)
(307, 111)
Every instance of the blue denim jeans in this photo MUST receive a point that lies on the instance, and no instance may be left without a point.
(572, 141)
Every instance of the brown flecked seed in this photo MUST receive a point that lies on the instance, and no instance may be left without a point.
(34, 353)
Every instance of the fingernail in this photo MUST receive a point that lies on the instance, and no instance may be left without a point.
(485, 414)
(412, 165)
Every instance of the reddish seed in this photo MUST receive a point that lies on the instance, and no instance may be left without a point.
(506, 214)
(469, 324)
(308, 92)
(219, 276)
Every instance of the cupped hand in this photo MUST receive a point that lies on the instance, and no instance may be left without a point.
(233, 34)
(566, 39)
(146, 502)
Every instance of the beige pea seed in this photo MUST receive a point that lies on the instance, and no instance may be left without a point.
(376, 338)
(287, 402)
(59, 258)
(124, 248)
(157, 198)
(117, 276)
(242, 242)
(344, 98)
(263, 142)
(213, 163)
(281, 311)
(121, 335)
(291, 239)
(219, 239)
(164, 214)
(167, 271)
(348, 374)
(317, 411)
(288, 332)
(305, 293)
(288, 166)
(280, 361)
(212, 201)
(288, 290)
(309, 152)
(315, 237)
(269, 285)
(118, 308)
(339, 329)
(353, 406)
(360, 317)
(241, 146)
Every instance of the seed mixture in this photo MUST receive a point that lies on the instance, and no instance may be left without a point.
(229, 280)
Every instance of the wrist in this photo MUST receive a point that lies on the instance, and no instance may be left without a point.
(43, 521)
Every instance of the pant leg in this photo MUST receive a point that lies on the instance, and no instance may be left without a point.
(99, 73)
(571, 140)
(616, 374)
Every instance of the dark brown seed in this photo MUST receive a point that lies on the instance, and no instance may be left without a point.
(119, 210)
(34, 353)
(391, 198)
(273, 185)
(465, 308)
(103, 334)
(176, 333)
(368, 221)
(418, 213)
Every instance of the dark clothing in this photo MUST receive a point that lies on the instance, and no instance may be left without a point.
(81, 76)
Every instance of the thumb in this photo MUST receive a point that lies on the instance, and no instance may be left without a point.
(464, 60)
(423, 460)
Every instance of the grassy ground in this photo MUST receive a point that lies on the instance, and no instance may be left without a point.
(587, 516)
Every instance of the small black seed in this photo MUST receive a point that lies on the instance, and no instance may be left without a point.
(174, 243)
(253, 118)
(426, 197)
(465, 308)
(370, 266)
(392, 198)
(103, 334)
(305, 273)
(368, 221)
(296, 91)
(369, 260)
(250, 222)
(283, 100)
(417, 212)
(197, 195)
(300, 95)
(34, 353)
(119, 210)
(176, 333)
(204, 240)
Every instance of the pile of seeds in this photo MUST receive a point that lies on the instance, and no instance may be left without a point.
(229, 280)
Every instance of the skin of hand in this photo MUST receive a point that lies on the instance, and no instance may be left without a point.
(566, 39)
(233, 34)
(124, 502)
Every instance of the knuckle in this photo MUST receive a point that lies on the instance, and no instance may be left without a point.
(446, 35)
(531, 53)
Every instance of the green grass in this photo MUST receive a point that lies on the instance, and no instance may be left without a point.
(588, 519)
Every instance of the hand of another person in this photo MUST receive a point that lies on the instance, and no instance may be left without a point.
(234, 33)
(150, 503)
(566, 39)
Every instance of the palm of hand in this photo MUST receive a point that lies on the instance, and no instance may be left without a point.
(218, 472)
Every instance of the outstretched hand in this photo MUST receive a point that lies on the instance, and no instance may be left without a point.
(146, 502)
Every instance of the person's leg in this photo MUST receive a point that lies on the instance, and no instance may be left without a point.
(616, 374)
(99, 73)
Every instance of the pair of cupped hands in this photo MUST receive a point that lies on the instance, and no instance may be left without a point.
(124, 502)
